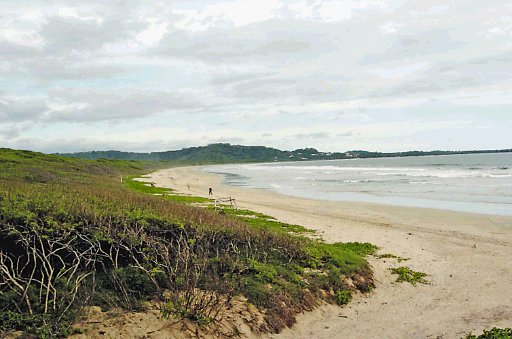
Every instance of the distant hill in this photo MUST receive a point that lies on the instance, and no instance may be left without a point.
(227, 153)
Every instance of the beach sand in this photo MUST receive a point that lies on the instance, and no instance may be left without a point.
(468, 257)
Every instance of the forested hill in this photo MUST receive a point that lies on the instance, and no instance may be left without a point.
(214, 153)
(226, 153)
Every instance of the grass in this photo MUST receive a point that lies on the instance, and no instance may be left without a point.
(144, 187)
(405, 274)
(362, 249)
(167, 193)
(262, 221)
(71, 235)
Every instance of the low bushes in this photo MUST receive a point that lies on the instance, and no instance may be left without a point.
(80, 238)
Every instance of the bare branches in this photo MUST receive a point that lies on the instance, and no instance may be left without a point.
(50, 273)
(57, 256)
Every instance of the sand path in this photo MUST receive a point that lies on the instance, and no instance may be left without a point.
(468, 257)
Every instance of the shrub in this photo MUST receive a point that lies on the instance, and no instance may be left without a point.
(343, 297)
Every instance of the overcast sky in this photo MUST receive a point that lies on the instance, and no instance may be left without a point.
(334, 75)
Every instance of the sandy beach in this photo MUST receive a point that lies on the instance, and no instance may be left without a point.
(468, 258)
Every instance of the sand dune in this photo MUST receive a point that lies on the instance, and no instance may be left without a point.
(468, 257)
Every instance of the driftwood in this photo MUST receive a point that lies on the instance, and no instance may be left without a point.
(231, 201)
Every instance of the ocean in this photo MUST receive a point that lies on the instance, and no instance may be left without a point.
(479, 183)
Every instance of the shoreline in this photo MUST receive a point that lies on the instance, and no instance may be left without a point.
(466, 255)
(485, 205)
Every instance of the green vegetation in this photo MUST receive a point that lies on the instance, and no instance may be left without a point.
(410, 276)
(211, 154)
(72, 235)
(390, 256)
(262, 221)
(226, 153)
(494, 333)
(167, 193)
(143, 187)
(343, 297)
(363, 249)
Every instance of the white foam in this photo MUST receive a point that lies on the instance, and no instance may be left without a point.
(437, 172)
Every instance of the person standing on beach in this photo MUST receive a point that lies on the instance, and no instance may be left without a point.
(210, 191)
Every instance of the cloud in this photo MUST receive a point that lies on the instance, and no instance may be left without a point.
(13, 130)
(52, 68)
(200, 16)
(316, 135)
(238, 77)
(272, 41)
(118, 105)
(290, 73)
(66, 34)
(17, 109)
(81, 106)
(450, 77)
(420, 44)
(11, 50)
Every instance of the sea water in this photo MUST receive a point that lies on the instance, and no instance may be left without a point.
(479, 183)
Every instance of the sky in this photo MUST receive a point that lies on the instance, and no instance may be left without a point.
(383, 75)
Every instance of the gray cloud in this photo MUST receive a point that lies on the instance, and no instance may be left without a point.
(72, 47)
(93, 105)
(52, 68)
(449, 76)
(65, 34)
(13, 130)
(276, 86)
(15, 109)
(415, 45)
(267, 87)
(273, 41)
(228, 79)
(11, 51)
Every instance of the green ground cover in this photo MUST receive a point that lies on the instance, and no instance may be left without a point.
(166, 193)
(494, 333)
(73, 235)
(405, 274)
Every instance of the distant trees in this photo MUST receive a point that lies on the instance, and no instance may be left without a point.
(227, 153)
